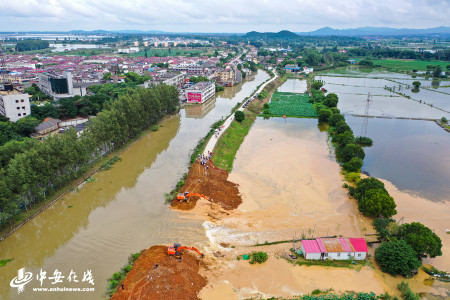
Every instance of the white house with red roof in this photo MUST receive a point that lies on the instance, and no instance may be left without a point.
(335, 248)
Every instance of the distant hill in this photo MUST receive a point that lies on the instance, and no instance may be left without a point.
(284, 34)
(376, 31)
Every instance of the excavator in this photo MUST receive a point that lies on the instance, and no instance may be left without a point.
(175, 250)
(185, 196)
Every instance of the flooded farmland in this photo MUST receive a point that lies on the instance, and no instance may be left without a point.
(123, 211)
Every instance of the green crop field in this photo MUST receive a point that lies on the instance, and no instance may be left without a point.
(291, 105)
(409, 65)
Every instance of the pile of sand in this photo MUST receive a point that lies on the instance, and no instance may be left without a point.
(156, 275)
(212, 182)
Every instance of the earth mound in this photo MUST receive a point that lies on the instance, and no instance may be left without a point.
(156, 275)
(212, 182)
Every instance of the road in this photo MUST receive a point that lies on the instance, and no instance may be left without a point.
(213, 140)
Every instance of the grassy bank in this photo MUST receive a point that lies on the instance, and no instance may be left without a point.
(230, 141)
(404, 65)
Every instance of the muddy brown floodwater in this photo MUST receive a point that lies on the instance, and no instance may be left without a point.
(123, 211)
(291, 187)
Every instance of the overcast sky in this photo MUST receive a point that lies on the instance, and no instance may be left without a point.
(219, 15)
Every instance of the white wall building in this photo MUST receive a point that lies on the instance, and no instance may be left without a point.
(14, 105)
(200, 92)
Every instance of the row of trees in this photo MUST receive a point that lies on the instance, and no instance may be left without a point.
(27, 45)
(30, 170)
(398, 53)
(404, 245)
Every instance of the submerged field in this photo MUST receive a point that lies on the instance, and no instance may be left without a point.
(291, 105)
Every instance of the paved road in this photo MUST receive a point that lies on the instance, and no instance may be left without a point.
(212, 142)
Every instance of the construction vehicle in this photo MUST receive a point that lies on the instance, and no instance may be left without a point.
(185, 196)
(175, 250)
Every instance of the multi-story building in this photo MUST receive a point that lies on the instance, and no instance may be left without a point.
(175, 80)
(13, 104)
(200, 92)
(57, 86)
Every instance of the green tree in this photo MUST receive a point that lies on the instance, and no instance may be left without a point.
(317, 85)
(367, 184)
(25, 126)
(417, 84)
(354, 165)
(342, 127)
(377, 203)
(350, 151)
(334, 119)
(331, 100)
(345, 138)
(437, 71)
(397, 258)
(8, 131)
(325, 114)
(239, 116)
(424, 241)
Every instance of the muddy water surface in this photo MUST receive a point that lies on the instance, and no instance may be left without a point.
(97, 226)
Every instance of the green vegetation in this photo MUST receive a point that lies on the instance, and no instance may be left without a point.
(35, 171)
(422, 239)
(326, 295)
(231, 140)
(397, 65)
(407, 293)
(363, 141)
(202, 143)
(109, 163)
(373, 198)
(3, 262)
(239, 116)
(258, 257)
(27, 45)
(291, 104)
(397, 258)
(118, 277)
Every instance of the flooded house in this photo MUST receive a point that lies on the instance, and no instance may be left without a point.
(335, 248)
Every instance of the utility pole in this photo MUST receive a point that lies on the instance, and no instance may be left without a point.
(366, 116)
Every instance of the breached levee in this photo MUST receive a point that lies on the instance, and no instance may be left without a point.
(212, 182)
(156, 275)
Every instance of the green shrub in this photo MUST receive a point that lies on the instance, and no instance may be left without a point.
(364, 141)
(367, 184)
(155, 128)
(376, 203)
(353, 177)
(344, 139)
(335, 110)
(342, 127)
(444, 120)
(258, 257)
(239, 116)
(334, 119)
(325, 114)
(354, 165)
(407, 293)
(349, 151)
(381, 226)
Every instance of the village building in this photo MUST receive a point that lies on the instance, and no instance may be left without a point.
(335, 248)
(200, 92)
(14, 104)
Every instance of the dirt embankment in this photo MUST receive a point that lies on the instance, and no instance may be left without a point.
(156, 275)
(212, 182)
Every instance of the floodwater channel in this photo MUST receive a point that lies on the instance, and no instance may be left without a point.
(123, 211)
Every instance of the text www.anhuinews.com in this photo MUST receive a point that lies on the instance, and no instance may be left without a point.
(64, 289)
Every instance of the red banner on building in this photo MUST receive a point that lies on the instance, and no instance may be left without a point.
(194, 97)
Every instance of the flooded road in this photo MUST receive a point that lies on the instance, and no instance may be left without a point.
(123, 211)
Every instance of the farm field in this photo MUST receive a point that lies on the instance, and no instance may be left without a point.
(291, 105)
(409, 65)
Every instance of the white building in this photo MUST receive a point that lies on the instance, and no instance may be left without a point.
(14, 105)
(335, 248)
(200, 92)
